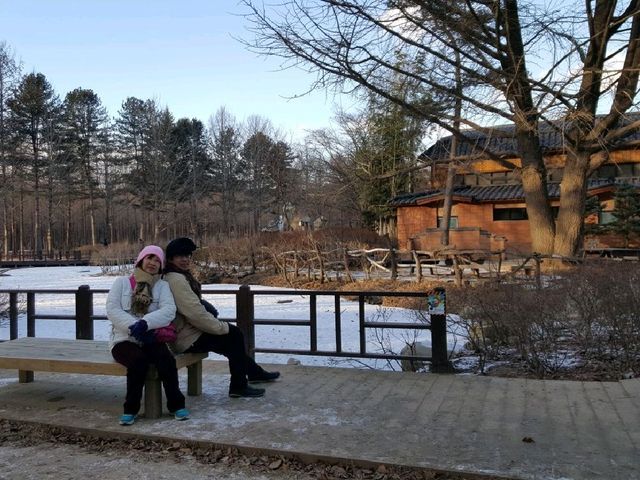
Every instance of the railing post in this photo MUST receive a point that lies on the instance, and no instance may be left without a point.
(437, 309)
(244, 318)
(84, 313)
(31, 314)
(313, 320)
(361, 319)
(338, 324)
(394, 264)
(13, 316)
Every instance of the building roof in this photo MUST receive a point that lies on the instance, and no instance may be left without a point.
(501, 140)
(491, 193)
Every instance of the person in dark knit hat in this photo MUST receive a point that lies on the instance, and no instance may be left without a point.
(199, 330)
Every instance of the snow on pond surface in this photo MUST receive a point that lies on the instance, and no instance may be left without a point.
(289, 307)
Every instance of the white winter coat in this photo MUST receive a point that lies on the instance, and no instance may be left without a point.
(162, 309)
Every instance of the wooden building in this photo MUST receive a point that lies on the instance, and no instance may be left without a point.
(489, 210)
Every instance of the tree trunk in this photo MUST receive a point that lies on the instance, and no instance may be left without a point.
(5, 228)
(448, 202)
(108, 225)
(92, 216)
(37, 241)
(67, 223)
(50, 215)
(451, 171)
(13, 228)
(534, 185)
(571, 214)
(21, 241)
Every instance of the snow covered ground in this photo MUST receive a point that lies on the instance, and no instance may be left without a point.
(266, 307)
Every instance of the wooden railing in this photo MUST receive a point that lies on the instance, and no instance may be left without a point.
(245, 319)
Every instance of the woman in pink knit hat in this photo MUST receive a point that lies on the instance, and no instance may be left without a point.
(140, 308)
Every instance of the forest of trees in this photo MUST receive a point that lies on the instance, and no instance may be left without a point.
(71, 175)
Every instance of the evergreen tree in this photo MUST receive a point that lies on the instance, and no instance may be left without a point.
(85, 124)
(228, 168)
(132, 129)
(33, 104)
(592, 207)
(9, 76)
(155, 180)
(255, 152)
(191, 168)
(386, 140)
(282, 181)
(144, 142)
(626, 211)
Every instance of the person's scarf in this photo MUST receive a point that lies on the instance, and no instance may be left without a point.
(142, 296)
(193, 283)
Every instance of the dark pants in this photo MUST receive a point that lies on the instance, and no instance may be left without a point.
(137, 360)
(231, 346)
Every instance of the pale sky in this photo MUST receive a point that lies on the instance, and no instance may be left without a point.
(181, 53)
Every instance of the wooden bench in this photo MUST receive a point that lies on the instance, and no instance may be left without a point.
(29, 354)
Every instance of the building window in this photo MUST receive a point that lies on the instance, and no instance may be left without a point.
(499, 178)
(607, 171)
(471, 179)
(606, 217)
(513, 177)
(554, 174)
(484, 180)
(626, 170)
(453, 222)
(509, 214)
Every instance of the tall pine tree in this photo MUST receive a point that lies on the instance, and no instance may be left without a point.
(33, 104)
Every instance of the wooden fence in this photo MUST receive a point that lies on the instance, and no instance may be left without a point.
(459, 266)
(84, 318)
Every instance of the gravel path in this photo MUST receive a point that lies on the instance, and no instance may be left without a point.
(36, 452)
(31, 451)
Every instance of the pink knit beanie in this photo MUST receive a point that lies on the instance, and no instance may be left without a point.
(151, 250)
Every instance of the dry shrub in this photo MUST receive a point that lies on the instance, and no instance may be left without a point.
(589, 315)
(514, 318)
(115, 258)
(604, 305)
(4, 305)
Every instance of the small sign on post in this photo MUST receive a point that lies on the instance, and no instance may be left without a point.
(436, 300)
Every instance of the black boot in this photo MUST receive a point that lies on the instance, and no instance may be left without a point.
(264, 377)
(246, 391)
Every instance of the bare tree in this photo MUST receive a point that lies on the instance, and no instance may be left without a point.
(528, 64)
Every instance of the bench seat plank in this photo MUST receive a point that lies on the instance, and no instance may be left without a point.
(58, 355)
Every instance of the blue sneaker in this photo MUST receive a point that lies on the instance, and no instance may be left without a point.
(182, 414)
(127, 419)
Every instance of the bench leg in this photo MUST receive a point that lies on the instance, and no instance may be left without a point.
(152, 398)
(194, 379)
(25, 376)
